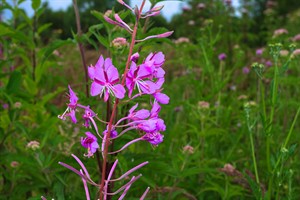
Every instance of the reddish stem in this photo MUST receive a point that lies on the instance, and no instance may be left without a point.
(112, 117)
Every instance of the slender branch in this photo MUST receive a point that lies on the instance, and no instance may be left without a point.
(80, 46)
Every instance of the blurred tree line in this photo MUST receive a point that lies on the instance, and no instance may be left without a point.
(250, 23)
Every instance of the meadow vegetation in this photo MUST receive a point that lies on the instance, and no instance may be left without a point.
(232, 120)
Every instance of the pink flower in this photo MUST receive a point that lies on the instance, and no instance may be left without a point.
(182, 40)
(296, 52)
(158, 95)
(296, 37)
(154, 138)
(105, 78)
(138, 115)
(201, 5)
(90, 142)
(246, 70)
(88, 115)
(268, 63)
(259, 52)
(71, 109)
(119, 42)
(118, 22)
(113, 132)
(279, 32)
(222, 56)
(136, 77)
(154, 61)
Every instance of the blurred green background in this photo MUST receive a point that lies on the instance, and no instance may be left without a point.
(206, 153)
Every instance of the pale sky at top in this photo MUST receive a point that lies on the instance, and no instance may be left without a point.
(171, 7)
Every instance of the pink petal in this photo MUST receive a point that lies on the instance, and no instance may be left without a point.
(155, 110)
(72, 114)
(142, 114)
(130, 86)
(159, 83)
(148, 87)
(159, 58)
(160, 73)
(133, 108)
(110, 21)
(144, 72)
(132, 69)
(149, 57)
(99, 76)
(161, 98)
(91, 72)
(119, 91)
(96, 89)
(112, 74)
(100, 62)
(106, 94)
(107, 63)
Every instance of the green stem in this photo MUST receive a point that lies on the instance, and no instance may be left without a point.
(220, 90)
(247, 111)
(287, 139)
(274, 96)
(254, 158)
(280, 156)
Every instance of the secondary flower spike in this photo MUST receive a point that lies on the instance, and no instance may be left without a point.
(70, 111)
(105, 77)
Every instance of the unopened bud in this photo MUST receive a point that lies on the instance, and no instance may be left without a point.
(203, 105)
(108, 13)
(14, 164)
(188, 149)
(34, 145)
(119, 42)
(157, 8)
(135, 57)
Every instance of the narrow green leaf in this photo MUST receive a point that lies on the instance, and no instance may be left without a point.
(254, 187)
(43, 27)
(35, 4)
(98, 15)
(14, 83)
(50, 96)
(4, 30)
(30, 85)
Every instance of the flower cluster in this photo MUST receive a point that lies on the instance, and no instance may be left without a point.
(138, 79)
(148, 77)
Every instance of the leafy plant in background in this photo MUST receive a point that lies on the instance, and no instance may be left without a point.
(209, 155)
(27, 118)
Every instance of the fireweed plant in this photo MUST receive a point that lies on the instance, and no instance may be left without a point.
(137, 80)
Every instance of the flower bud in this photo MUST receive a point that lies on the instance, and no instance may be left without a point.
(34, 145)
(279, 32)
(18, 105)
(188, 149)
(203, 105)
(14, 164)
(119, 42)
(222, 56)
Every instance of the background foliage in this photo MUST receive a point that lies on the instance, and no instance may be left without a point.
(39, 58)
